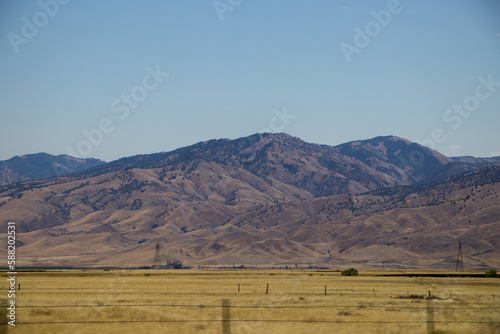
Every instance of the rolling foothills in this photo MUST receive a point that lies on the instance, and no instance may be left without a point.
(264, 200)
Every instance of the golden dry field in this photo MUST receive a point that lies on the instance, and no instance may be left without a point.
(191, 301)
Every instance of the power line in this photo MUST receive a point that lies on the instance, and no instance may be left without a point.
(254, 320)
(259, 307)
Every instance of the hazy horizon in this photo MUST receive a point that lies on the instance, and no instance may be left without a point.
(362, 139)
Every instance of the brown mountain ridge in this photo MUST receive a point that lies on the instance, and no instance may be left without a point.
(263, 200)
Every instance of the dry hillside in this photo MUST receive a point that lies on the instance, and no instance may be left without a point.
(264, 200)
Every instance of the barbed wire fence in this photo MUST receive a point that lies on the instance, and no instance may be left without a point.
(430, 313)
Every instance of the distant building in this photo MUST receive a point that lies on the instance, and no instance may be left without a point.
(173, 264)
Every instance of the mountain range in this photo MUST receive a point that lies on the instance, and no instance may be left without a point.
(40, 166)
(263, 200)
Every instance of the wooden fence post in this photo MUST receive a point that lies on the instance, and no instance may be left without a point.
(430, 316)
(3, 316)
(226, 317)
(267, 289)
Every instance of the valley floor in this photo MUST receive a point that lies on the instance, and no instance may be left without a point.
(251, 301)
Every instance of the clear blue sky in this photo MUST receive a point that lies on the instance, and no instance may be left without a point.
(232, 69)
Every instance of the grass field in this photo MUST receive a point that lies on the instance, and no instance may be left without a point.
(190, 301)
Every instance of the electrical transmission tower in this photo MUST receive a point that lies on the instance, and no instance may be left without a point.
(157, 256)
(460, 260)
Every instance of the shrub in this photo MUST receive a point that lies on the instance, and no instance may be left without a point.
(491, 273)
(349, 272)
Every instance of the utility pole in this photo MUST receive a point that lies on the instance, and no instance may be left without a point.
(460, 260)
(157, 260)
